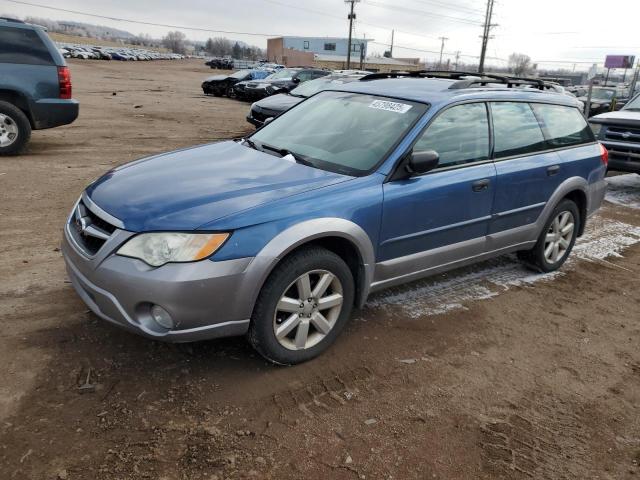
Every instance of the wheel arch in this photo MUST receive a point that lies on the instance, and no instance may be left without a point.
(573, 188)
(19, 100)
(343, 237)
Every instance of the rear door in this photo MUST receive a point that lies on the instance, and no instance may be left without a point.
(441, 216)
(528, 170)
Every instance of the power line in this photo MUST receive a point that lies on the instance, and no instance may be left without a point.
(117, 19)
(450, 6)
(421, 12)
(437, 52)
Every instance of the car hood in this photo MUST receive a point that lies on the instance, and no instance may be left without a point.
(186, 189)
(621, 117)
(280, 102)
(216, 78)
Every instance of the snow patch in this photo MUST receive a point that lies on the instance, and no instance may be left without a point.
(624, 190)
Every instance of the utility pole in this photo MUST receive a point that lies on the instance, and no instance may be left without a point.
(485, 34)
(351, 17)
(442, 39)
(457, 59)
(391, 48)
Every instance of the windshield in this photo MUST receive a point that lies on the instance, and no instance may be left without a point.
(241, 74)
(633, 104)
(602, 94)
(344, 132)
(284, 73)
(314, 86)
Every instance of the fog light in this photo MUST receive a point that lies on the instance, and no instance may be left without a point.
(162, 317)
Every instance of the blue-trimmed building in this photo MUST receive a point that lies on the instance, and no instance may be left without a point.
(278, 47)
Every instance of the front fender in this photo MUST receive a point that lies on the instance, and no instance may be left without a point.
(304, 232)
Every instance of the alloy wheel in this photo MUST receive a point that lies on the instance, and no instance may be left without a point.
(559, 236)
(308, 310)
(8, 130)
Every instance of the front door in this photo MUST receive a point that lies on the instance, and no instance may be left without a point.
(442, 216)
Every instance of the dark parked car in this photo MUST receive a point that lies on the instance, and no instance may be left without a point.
(273, 106)
(219, 85)
(606, 99)
(35, 85)
(220, 63)
(282, 81)
(620, 133)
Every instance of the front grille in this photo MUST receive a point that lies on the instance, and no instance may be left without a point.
(89, 231)
(623, 134)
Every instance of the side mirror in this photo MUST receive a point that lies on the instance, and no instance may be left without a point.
(422, 162)
(295, 80)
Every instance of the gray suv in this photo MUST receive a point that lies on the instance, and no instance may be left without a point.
(35, 85)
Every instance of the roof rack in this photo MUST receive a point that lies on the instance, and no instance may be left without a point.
(468, 79)
(9, 19)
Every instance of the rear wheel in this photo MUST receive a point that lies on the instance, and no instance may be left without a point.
(556, 240)
(302, 307)
(15, 129)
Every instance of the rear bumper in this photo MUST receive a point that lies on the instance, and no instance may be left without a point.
(53, 112)
(203, 297)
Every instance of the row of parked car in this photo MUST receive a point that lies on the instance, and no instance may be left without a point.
(94, 52)
(603, 98)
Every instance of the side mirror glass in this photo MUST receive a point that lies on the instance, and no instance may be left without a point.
(422, 162)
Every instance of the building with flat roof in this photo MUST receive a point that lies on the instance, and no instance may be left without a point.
(280, 47)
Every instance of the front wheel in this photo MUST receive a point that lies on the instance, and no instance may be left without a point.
(556, 240)
(302, 307)
(15, 129)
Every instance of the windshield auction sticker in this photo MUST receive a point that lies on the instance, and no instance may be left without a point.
(390, 106)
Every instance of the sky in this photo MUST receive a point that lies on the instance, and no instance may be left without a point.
(554, 33)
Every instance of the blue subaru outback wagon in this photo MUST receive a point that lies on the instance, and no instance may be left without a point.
(382, 181)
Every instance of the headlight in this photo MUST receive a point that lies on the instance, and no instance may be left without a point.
(596, 105)
(595, 128)
(156, 249)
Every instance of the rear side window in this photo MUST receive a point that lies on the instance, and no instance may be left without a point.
(460, 135)
(19, 45)
(516, 129)
(563, 126)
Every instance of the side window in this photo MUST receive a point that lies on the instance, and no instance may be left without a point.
(19, 45)
(564, 126)
(516, 129)
(459, 135)
(306, 45)
(304, 76)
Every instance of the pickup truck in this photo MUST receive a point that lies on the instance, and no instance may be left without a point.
(619, 132)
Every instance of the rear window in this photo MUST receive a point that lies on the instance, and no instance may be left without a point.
(563, 126)
(516, 129)
(19, 45)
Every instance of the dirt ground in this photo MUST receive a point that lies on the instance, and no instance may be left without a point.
(485, 373)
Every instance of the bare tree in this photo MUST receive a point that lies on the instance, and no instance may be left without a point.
(175, 41)
(519, 64)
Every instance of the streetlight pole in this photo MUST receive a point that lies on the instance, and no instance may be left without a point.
(351, 17)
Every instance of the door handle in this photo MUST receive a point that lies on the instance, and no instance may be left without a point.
(553, 170)
(481, 185)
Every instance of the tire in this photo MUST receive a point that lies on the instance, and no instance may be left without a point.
(15, 129)
(548, 254)
(293, 321)
(217, 93)
(230, 92)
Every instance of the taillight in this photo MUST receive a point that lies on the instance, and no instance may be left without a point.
(604, 155)
(64, 80)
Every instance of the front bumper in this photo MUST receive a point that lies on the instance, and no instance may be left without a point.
(204, 298)
(254, 121)
(623, 156)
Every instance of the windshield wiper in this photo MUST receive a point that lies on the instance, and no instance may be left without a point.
(252, 144)
(283, 152)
